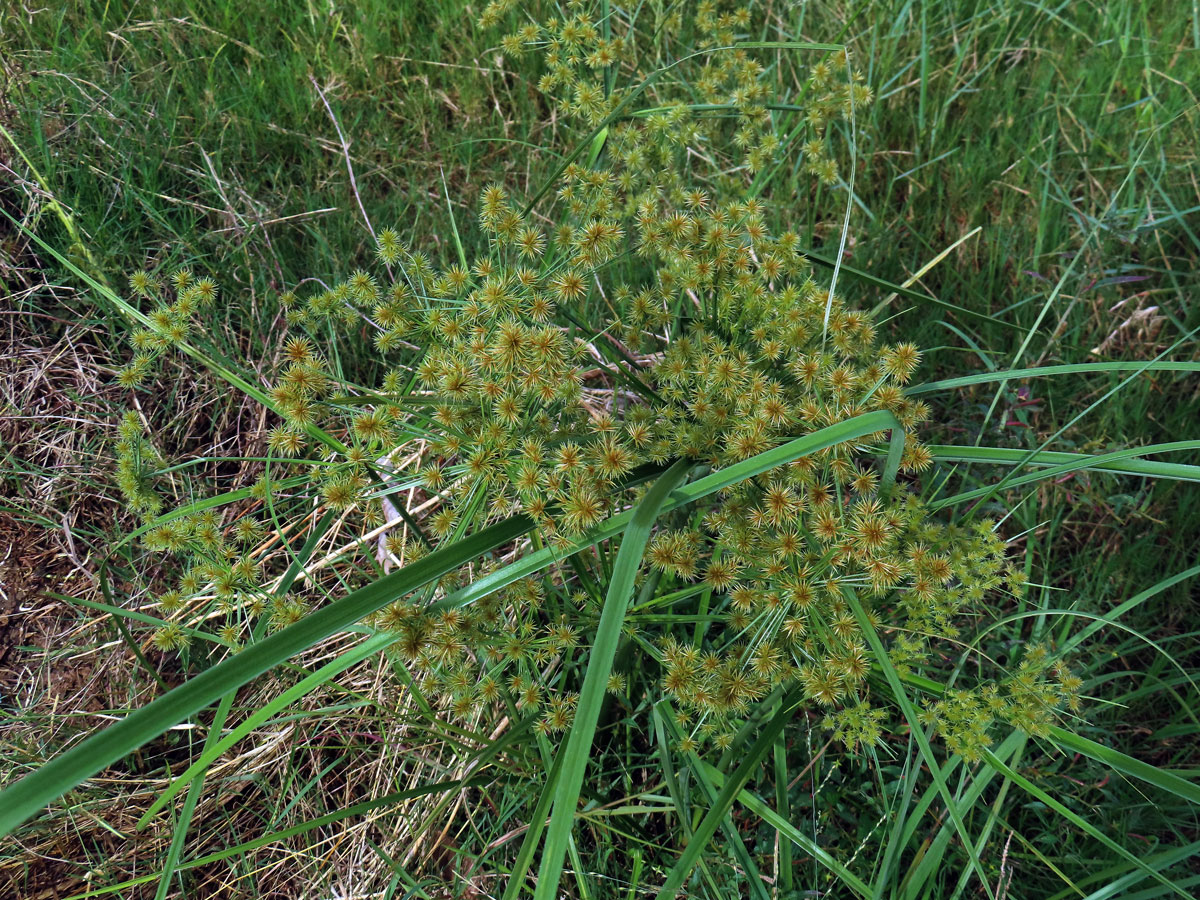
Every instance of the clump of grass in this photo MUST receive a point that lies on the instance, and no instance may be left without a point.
(649, 326)
(753, 351)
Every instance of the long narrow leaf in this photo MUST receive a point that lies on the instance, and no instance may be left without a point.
(734, 783)
(1133, 602)
(212, 751)
(24, 798)
(533, 834)
(1120, 762)
(851, 429)
(760, 808)
(876, 281)
(1077, 820)
(1167, 781)
(947, 384)
(1121, 461)
(633, 93)
(209, 359)
(70, 769)
(577, 748)
(918, 732)
(1126, 462)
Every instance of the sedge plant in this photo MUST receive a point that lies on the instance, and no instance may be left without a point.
(637, 461)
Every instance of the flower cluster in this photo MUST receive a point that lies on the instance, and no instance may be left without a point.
(171, 321)
(654, 315)
(137, 461)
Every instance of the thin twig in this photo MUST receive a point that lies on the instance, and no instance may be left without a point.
(345, 153)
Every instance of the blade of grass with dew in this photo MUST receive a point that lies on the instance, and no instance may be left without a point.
(577, 747)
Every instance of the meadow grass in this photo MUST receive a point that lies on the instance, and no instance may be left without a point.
(1032, 163)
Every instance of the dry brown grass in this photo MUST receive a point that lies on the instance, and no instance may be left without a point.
(65, 671)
